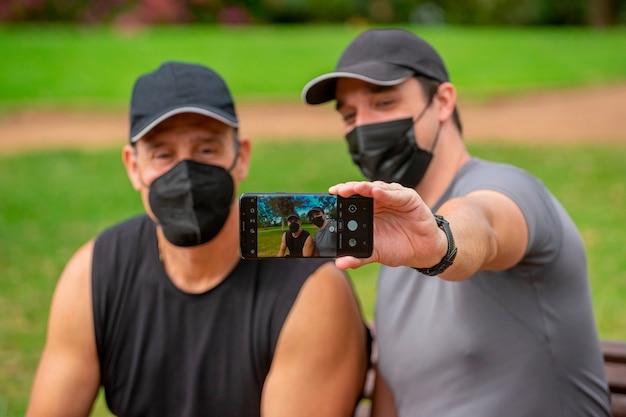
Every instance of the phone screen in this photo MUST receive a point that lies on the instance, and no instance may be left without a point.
(305, 225)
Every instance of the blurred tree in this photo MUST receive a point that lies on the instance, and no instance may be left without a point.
(237, 12)
(301, 11)
(573, 12)
(601, 12)
(101, 11)
(154, 12)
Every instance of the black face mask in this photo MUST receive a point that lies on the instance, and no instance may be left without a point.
(192, 202)
(388, 152)
(318, 221)
(293, 227)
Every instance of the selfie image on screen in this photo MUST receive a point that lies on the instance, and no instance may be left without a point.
(306, 225)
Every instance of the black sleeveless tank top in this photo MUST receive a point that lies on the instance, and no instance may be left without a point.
(164, 352)
(296, 244)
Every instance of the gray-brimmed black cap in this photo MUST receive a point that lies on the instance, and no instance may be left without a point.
(381, 57)
(315, 209)
(179, 87)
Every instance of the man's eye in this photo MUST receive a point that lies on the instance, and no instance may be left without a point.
(348, 117)
(162, 155)
(207, 150)
(384, 103)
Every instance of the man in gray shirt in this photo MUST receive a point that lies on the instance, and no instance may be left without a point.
(326, 236)
(483, 306)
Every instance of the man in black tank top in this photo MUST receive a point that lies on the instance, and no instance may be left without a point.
(162, 312)
(298, 241)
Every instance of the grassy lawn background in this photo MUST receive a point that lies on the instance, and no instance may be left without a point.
(52, 202)
(71, 66)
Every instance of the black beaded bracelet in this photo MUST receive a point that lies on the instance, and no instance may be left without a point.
(448, 258)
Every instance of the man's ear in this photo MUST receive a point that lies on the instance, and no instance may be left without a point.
(241, 169)
(129, 157)
(446, 96)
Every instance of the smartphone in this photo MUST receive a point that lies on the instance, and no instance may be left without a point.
(279, 225)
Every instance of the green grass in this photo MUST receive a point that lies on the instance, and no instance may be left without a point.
(96, 66)
(52, 202)
(269, 239)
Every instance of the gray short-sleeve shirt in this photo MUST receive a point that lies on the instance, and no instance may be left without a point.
(326, 239)
(520, 342)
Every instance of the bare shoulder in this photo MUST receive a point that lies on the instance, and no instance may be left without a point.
(71, 312)
(326, 306)
(80, 262)
(67, 378)
(328, 288)
(321, 357)
(75, 279)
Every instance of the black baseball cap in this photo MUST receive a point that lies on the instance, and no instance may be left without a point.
(379, 56)
(293, 215)
(179, 87)
(314, 209)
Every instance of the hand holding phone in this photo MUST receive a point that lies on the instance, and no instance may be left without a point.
(305, 225)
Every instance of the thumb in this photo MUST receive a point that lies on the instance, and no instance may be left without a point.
(347, 262)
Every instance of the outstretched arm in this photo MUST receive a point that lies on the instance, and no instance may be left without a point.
(321, 358)
(283, 246)
(67, 379)
(383, 403)
(309, 247)
(489, 230)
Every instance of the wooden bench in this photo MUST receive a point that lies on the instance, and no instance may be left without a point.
(615, 365)
(614, 354)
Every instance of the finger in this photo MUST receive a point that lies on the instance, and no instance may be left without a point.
(350, 262)
(382, 185)
(376, 187)
(350, 188)
(334, 189)
(362, 188)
